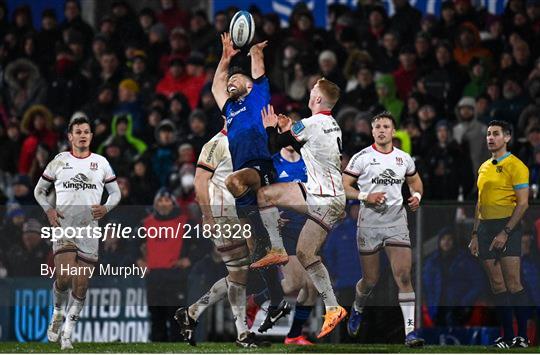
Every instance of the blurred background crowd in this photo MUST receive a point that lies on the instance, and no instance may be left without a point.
(143, 76)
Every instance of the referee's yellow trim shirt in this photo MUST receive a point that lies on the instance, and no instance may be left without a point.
(497, 184)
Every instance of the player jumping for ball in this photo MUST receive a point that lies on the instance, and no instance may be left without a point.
(241, 99)
(322, 198)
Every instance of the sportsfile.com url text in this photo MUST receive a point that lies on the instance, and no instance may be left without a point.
(113, 230)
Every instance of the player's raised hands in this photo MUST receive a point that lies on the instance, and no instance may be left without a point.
(257, 48)
(270, 119)
(54, 217)
(284, 123)
(228, 47)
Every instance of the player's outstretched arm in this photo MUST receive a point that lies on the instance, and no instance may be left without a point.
(257, 59)
(40, 194)
(219, 85)
(417, 190)
(201, 183)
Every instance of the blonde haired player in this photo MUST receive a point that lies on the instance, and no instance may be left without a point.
(79, 177)
(321, 198)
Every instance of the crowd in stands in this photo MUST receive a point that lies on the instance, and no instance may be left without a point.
(144, 79)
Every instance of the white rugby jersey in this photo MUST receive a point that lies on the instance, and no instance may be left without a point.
(78, 184)
(321, 151)
(381, 172)
(216, 158)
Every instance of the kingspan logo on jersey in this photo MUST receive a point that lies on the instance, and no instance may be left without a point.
(387, 177)
(79, 182)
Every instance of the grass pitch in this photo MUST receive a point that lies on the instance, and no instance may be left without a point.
(13, 347)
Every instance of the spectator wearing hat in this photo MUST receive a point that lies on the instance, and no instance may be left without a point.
(168, 261)
(471, 133)
(163, 154)
(130, 104)
(405, 75)
(449, 168)
(37, 125)
(24, 259)
(24, 86)
(74, 21)
(172, 16)
(468, 45)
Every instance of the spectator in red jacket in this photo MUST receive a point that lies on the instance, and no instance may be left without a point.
(171, 16)
(167, 263)
(37, 125)
(405, 76)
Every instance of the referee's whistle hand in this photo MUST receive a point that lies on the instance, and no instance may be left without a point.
(498, 242)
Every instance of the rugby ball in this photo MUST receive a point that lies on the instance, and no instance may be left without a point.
(242, 29)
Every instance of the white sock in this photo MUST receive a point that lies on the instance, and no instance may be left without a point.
(60, 299)
(270, 218)
(406, 302)
(321, 280)
(216, 292)
(75, 306)
(237, 299)
(361, 298)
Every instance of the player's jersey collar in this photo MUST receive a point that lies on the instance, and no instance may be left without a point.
(327, 113)
(375, 148)
(224, 131)
(73, 155)
(504, 156)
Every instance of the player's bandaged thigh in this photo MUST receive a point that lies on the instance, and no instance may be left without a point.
(233, 251)
(326, 210)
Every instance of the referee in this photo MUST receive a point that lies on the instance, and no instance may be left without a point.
(503, 190)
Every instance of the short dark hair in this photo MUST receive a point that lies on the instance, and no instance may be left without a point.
(384, 114)
(505, 126)
(238, 70)
(77, 120)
